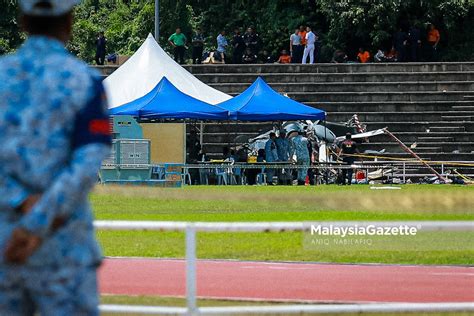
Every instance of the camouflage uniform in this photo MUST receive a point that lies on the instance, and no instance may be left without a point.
(283, 150)
(271, 155)
(55, 132)
(300, 149)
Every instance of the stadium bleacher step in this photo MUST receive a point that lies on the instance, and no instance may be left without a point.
(406, 86)
(427, 149)
(355, 77)
(334, 68)
(462, 118)
(443, 129)
(435, 138)
(463, 107)
(394, 106)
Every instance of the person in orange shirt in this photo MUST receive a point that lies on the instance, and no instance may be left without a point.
(433, 40)
(284, 58)
(363, 56)
(302, 34)
(433, 36)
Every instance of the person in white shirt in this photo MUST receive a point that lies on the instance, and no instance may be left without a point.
(296, 49)
(309, 49)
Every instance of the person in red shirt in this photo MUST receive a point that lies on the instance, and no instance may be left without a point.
(284, 58)
(363, 56)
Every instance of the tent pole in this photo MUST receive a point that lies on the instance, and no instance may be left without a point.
(201, 133)
(157, 20)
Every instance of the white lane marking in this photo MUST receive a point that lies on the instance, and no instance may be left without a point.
(277, 268)
(454, 273)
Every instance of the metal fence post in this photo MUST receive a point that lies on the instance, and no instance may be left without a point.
(404, 173)
(191, 270)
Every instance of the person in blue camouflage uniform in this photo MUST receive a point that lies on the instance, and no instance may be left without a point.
(283, 146)
(299, 145)
(283, 150)
(271, 155)
(55, 132)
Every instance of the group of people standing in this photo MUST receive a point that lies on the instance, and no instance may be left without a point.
(283, 149)
(304, 44)
(412, 45)
(245, 48)
(278, 151)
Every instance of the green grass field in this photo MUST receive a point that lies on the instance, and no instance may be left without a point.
(322, 203)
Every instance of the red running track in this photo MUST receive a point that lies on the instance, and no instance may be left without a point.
(290, 281)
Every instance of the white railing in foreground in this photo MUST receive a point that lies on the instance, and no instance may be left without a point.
(191, 228)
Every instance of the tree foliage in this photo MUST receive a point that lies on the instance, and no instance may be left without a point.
(341, 24)
(10, 36)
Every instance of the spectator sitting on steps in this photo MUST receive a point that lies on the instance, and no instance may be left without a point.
(249, 57)
(284, 58)
(363, 56)
(266, 58)
(339, 57)
(380, 57)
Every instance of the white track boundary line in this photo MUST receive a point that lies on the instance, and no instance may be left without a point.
(295, 309)
(190, 229)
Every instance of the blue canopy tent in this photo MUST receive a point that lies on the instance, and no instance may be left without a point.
(260, 102)
(165, 101)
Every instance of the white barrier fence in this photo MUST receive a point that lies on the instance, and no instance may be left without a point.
(192, 309)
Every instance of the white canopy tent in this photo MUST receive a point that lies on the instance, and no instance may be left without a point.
(141, 72)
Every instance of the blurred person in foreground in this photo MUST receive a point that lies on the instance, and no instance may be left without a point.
(55, 133)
